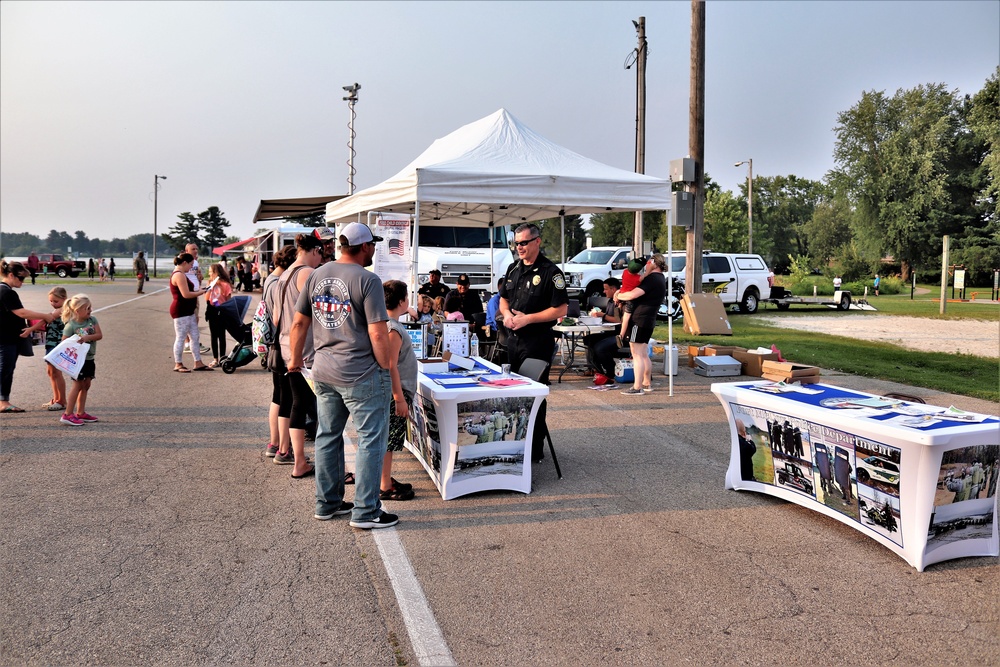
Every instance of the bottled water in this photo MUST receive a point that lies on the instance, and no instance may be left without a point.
(474, 346)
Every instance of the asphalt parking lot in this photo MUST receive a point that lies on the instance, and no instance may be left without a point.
(162, 535)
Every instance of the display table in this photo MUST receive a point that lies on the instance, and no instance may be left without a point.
(920, 480)
(472, 437)
(573, 334)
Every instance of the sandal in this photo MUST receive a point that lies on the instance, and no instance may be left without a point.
(349, 478)
(10, 409)
(202, 368)
(307, 473)
(181, 369)
(396, 494)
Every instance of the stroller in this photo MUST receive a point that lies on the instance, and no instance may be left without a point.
(243, 353)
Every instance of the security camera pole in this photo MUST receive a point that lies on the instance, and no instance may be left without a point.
(749, 161)
(352, 97)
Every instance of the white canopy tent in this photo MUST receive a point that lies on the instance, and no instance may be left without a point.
(497, 171)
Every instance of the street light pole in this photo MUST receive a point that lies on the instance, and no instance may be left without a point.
(352, 97)
(749, 161)
(156, 191)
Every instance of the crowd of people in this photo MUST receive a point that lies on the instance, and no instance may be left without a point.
(340, 348)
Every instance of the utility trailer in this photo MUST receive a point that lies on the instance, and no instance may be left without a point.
(841, 300)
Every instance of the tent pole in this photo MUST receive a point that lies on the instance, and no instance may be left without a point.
(670, 306)
(493, 280)
(413, 255)
(562, 238)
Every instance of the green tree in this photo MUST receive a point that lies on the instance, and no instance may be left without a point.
(725, 222)
(617, 228)
(552, 237)
(829, 229)
(311, 220)
(782, 206)
(212, 224)
(184, 232)
(895, 156)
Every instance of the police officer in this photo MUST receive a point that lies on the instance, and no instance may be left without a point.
(532, 298)
(433, 287)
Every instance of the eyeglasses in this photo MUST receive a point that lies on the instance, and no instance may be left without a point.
(521, 244)
(20, 277)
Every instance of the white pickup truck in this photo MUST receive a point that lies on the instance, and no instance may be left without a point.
(587, 271)
(738, 279)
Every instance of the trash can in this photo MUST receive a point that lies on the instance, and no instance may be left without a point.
(670, 361)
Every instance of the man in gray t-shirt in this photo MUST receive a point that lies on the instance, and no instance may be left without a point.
(342, 306)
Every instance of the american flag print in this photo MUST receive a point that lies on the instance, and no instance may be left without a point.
(396, 247)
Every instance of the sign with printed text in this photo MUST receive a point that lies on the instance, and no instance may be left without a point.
(393, 257)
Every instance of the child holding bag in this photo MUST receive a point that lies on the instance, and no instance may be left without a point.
(79, 322)
(53, 336)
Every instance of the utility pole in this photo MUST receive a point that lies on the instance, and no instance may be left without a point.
(696, 146)
(640, 122)
(749, 161)
(352, 97)
(156, 193)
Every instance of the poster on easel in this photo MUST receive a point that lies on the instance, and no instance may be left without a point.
(455, 338)
(393, 257)
(418, 337)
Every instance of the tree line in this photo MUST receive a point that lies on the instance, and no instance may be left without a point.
(910, 168)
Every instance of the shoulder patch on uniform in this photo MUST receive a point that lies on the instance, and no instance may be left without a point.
(559, 281)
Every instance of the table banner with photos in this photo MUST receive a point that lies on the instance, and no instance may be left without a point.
(919, 479)
(471, 429)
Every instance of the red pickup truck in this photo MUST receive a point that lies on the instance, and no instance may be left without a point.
(60, 266)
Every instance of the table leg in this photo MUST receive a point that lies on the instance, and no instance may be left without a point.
(572, 356)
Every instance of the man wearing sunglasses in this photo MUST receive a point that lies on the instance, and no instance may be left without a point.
(532, 298)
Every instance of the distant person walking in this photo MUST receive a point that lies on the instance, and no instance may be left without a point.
(90, 268)
(837, 282)
(111, 268)
(141, 270)
(33, 265)
(878, 281)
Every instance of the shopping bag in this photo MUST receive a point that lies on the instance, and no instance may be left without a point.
(69, 355)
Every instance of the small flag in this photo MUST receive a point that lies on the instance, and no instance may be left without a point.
(395, 247)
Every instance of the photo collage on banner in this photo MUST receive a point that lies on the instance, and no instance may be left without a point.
(854, 476)
(491, 437)
(965, 499)
(423, 434)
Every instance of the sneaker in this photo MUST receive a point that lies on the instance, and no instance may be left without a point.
(648, 388)
(271, 451)
(84, 417)
(620, 341)
(72, 420)
(384, 520)
(206, 350)
(345, 508)
(284, 459)
(632, 391)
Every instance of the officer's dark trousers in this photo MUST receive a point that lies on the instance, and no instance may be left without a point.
(533, 346)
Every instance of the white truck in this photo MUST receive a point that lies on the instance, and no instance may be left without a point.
(586, 272)
(457, 250)
(739, 279)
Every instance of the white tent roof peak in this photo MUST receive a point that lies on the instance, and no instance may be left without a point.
(497, 168)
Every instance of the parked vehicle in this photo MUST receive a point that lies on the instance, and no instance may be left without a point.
(791, 475)
(739, 279)
(882, 516)
(586, 272)
(879, 469)
(60, 266)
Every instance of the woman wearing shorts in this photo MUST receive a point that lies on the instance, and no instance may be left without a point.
(646, 298)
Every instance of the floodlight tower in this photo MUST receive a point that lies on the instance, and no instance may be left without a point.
(352, 97)
(749, 163)
(156, 192)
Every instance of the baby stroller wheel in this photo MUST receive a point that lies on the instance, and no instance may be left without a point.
(228, 367)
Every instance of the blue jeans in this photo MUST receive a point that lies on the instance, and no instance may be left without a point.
(367, 402)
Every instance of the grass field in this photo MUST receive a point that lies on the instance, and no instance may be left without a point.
(963, 374)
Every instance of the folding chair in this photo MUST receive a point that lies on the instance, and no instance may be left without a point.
(534, 369)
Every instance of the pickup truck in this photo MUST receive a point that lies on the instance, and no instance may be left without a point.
(586, 272)
(738, 279)
(60, 266)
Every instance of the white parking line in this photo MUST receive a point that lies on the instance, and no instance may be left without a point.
(425, 634)
(136, 298)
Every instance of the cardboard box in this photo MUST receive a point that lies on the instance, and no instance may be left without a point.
(721, 350)
(434, 365)
(717, 366)
(694, 351)
(803, 379)
(753, 363)
(459, 360)
(788, 369)
(705, 314)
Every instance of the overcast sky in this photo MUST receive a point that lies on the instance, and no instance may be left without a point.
(237, 102)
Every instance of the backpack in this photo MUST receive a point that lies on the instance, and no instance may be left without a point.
(262, 329)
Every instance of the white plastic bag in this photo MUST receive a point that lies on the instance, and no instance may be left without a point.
(69, 355)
